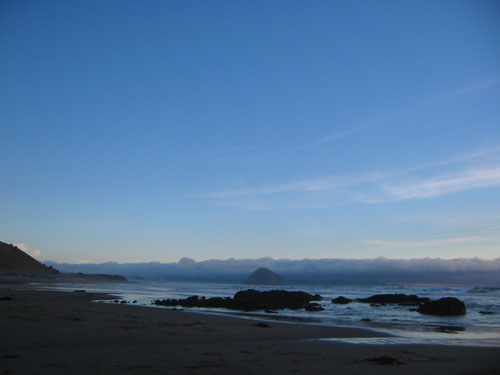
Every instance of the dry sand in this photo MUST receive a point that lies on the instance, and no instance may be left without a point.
(64, 333)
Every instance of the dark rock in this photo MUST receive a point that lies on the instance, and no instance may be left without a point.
(443, 306)
(248, 300)
(262, 325)
(123, 302)
(264, 276)
(486, 312)
(314, 307)
(386, 360)
(407, 300)
(450, 329)
(342, 300)
(366, 320)
(275, 299)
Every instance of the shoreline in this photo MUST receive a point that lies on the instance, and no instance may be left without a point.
(433, 333)
(55, 332)
(382, 334)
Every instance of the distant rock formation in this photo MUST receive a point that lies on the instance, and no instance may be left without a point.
(264, 276)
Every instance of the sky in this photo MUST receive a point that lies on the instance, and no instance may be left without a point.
(151, 131)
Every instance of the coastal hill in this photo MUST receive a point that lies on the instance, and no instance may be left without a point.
(18, 267)
(15, 261)
(264, 276)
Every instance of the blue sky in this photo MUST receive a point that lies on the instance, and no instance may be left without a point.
(138, 131)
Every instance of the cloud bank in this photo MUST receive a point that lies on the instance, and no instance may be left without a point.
(470, 271)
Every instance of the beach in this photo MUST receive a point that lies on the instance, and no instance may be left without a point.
(50, 332)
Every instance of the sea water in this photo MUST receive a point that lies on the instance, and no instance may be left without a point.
(475, 328)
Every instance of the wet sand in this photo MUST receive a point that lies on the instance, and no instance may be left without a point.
(65, 333)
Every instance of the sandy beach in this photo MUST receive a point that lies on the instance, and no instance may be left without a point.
(65, 333)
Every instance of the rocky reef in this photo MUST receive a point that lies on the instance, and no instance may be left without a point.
(444, 306)
(250, 300)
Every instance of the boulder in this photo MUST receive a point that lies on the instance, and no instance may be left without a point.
(342, 300)
(314, 307)
(443, 306)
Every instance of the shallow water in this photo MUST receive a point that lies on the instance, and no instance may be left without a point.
(473, 329)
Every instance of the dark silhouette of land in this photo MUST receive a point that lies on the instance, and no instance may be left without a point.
(18, 267)
(14, 261)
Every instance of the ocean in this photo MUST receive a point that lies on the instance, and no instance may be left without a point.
(473, 329)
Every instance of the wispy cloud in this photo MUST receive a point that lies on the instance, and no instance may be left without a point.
(455, 159)
(459, 219)
(311, 185)
(333, 137)
(471, 88)
(260, 205)
(464, 90)
(427, 243)
(446, 184)
(370, 187)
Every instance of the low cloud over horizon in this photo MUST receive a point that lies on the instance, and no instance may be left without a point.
(328, 270)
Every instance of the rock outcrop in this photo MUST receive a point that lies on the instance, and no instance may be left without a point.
(264, 276)
(248, 300)
(341, 300)
(443, 306)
